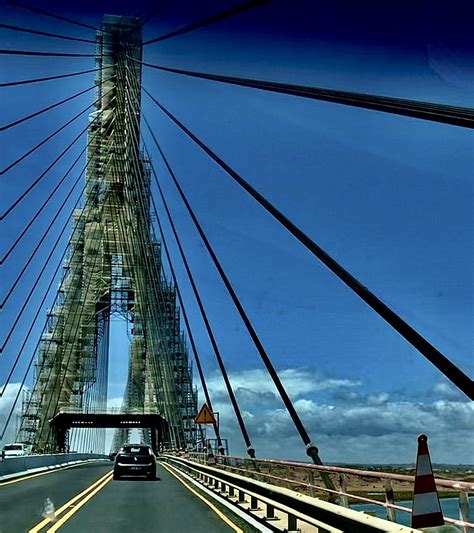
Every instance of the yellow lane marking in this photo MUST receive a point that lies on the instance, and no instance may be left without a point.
(221, 515)
(61, 510)
(5, 483)
(76, 508)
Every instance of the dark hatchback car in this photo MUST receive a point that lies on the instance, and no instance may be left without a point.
(133, 460)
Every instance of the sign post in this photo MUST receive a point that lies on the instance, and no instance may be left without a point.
(206, 416)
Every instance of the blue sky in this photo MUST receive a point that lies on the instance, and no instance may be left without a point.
(391, 198)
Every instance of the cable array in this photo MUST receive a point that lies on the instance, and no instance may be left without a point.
(432, 354)
(45, 109)
(136, 91)
(39, 145)
(206, 321)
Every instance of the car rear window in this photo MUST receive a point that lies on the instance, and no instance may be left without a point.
(138, 450)
(11, 447)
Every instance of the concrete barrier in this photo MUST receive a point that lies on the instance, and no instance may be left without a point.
(17, 466)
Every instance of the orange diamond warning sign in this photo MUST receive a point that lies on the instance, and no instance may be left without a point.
(205, 416)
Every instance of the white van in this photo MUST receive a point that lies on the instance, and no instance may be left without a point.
(15, 449)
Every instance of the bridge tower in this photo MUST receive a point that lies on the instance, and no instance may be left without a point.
(113, 266)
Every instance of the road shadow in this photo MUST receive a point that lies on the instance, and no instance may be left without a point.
(137, 478)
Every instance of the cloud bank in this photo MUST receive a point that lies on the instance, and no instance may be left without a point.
(347, 425)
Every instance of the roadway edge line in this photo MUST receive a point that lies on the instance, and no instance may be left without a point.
(46, 521)
(249, 519)
(219, 513)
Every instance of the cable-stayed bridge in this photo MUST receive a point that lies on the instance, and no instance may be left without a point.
(113, 264)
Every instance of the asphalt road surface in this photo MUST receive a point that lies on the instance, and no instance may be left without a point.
(85, 499)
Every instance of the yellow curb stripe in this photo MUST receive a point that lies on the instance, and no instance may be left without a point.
(221, 515)
(31, 476)
(59, 511)
(74, 510)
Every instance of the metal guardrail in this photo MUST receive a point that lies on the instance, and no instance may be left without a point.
(303, 478)
(282, 509)
(27, 463)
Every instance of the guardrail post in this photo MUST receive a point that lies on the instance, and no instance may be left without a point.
(292, 523)
(343, 500)
(464, 509)
(241, 496)
(270, 514)
(389, 498)
(253, 503)
(231, 491)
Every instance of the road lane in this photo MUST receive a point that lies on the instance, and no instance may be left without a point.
(142, 506)
(22, 503)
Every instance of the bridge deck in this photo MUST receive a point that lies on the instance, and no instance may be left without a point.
(127, 505)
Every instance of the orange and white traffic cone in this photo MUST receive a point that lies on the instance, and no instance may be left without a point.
(426, 510)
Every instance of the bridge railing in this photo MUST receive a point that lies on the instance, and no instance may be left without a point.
(277, 508)
(354, 485)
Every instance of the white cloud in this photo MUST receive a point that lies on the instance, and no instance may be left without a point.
(6, 403)
(447, 391)
(297, 381)
(377, 399)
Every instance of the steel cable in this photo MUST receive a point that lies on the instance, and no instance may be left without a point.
(44, 33)
(50, 78)
(7, 52)
(443, 113)
(152, 13)
(208, 20)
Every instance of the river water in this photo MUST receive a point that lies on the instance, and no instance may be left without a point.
(449, 506)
